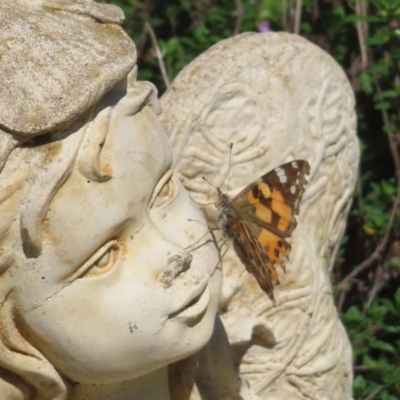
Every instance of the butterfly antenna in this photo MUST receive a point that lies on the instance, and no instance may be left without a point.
(229, 166)
(209, 183)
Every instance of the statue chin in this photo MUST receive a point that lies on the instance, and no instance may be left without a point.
(110, 275)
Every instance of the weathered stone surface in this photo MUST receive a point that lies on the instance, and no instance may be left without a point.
(57, 59)
(277, 98)
(110, 277)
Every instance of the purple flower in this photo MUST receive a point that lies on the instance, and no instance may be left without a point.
(264, 27)
(394, 24)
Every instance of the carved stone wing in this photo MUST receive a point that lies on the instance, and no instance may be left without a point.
(276, 97)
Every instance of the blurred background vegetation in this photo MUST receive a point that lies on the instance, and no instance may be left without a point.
(364, 38)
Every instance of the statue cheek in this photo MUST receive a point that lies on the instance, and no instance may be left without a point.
(180, 220)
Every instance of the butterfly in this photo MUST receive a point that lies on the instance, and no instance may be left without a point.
(260, 219)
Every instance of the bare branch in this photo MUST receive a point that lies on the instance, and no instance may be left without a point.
(374, 394)
(158, 54)
(375, 288)
(291, 9)
(284, 15)
(341, 300)
(297, 16)
(239, 12)
(366, 368)
(141, 46)
(362, 31)
(315, 12)
(363, 266)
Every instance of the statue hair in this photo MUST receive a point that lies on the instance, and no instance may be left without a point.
(32, 173)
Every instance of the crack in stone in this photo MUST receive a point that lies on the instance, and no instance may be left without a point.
(49, 297)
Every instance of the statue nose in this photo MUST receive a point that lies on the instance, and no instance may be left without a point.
(176, 265)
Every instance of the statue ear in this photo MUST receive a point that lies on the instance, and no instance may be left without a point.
(24, 371)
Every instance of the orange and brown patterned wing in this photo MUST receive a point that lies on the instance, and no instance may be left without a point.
(268, 208)
(254, 258)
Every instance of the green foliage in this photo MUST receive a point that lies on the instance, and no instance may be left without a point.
(376, 347)
(364, 38)
(376, 207)
(185, 29)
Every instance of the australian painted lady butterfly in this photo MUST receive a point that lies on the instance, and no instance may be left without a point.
(260, 219)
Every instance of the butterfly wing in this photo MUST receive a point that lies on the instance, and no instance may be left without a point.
(267, 210)
(253, 257)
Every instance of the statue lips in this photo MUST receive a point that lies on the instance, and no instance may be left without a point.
(195, 303)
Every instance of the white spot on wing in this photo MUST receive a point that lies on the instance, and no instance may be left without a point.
(295, 165)
(293, 189)
(280, 172)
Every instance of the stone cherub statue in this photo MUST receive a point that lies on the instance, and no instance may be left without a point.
(109, 276)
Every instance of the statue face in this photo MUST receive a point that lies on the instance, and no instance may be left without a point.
(122, 287)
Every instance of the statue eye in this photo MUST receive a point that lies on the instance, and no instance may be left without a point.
(164, 191)
(100, 262)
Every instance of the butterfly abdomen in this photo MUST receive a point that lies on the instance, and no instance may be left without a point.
(226, 215)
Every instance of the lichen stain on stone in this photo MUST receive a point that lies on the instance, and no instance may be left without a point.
(53, 150)
(106, 168)
(287, 81)
(193, 75)
(93, 74)
(177, 264)
(190, 235)
(37, 118)
(109, 29)
(164, 216)
(49, 37)
(123, 248)
(166, 278)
